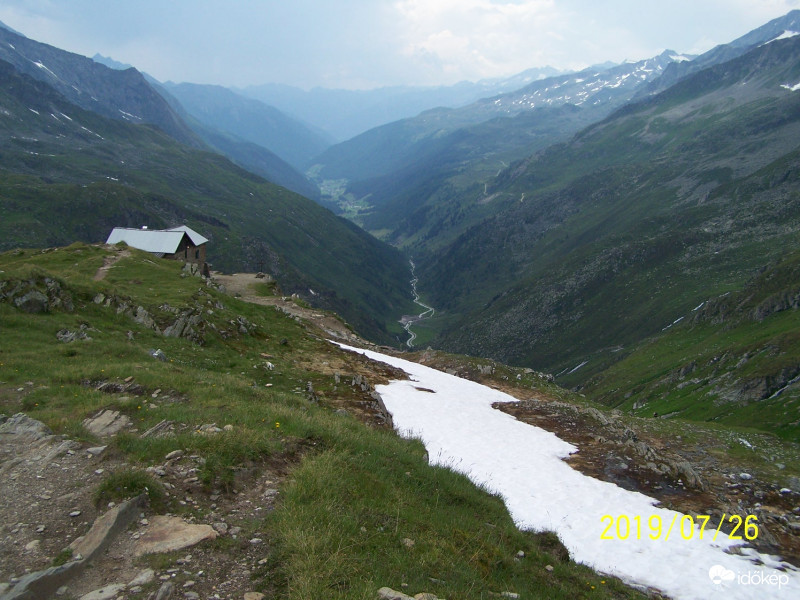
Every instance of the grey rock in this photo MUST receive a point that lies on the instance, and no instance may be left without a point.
(33, 302)
(386, 593)
(158, 354)
(143, 317)
(164, 592)
(107, 423)
(21, 424)
(66, 336)
(44, 584)
(143, 578)
(104, 593)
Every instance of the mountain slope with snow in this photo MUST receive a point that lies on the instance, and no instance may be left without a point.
(122, 95)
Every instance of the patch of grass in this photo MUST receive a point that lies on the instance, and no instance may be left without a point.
(130, 483)
(62, 557)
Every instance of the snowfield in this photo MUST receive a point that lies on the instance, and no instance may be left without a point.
(524, 464)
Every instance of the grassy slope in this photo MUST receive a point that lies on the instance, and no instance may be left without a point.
(732, 361)
(351, 499)
(69, 175)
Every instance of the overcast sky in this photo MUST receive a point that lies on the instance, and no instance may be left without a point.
(361, 44)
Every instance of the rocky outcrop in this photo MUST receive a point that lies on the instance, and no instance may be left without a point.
(36, 295)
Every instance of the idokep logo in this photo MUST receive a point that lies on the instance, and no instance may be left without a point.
(719, 574)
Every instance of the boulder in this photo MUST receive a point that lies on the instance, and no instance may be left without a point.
(166, 534)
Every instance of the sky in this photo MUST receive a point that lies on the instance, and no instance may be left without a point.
(364, 44)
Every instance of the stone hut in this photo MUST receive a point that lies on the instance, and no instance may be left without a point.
(178, 243)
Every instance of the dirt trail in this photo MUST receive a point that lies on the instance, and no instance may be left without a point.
(110, 261)
(245, 286)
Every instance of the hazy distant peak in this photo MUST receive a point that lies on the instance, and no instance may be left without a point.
(111, 63)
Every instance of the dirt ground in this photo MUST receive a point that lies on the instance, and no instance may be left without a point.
(244, 285)
(48, 489)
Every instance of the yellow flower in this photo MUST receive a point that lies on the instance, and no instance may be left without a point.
(277, 424)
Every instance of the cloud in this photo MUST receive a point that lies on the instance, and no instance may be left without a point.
(469, 38)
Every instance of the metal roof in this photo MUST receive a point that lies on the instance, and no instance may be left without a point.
(196, 238)
(164, 241)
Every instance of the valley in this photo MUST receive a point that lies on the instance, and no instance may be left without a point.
(447, 330)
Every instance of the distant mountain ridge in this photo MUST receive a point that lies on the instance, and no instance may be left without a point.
(249, 155)
(397, 173)
(251, 120)
(344, 114)
(123, 95)
(768, 32)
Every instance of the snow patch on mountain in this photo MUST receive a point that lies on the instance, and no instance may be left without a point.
(587, 87)
(785, 35)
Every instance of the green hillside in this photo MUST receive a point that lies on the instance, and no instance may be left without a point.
(734, 360)
(347, 495)
(598, 243)
(69, 174)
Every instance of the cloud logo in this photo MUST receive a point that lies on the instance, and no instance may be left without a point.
(718, 574)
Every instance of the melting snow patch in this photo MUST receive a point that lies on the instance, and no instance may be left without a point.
(578, 367)
(44, 68)
(128, 115)
(92, 132)
(791, 88)
(675, 322)
(786, 34)
(524, 464)
(33, 110)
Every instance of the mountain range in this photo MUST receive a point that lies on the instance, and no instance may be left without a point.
(86, 148)
(393, 172)
(572, 222)
(343, 114)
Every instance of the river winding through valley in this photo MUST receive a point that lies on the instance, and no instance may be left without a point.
(409, 320)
